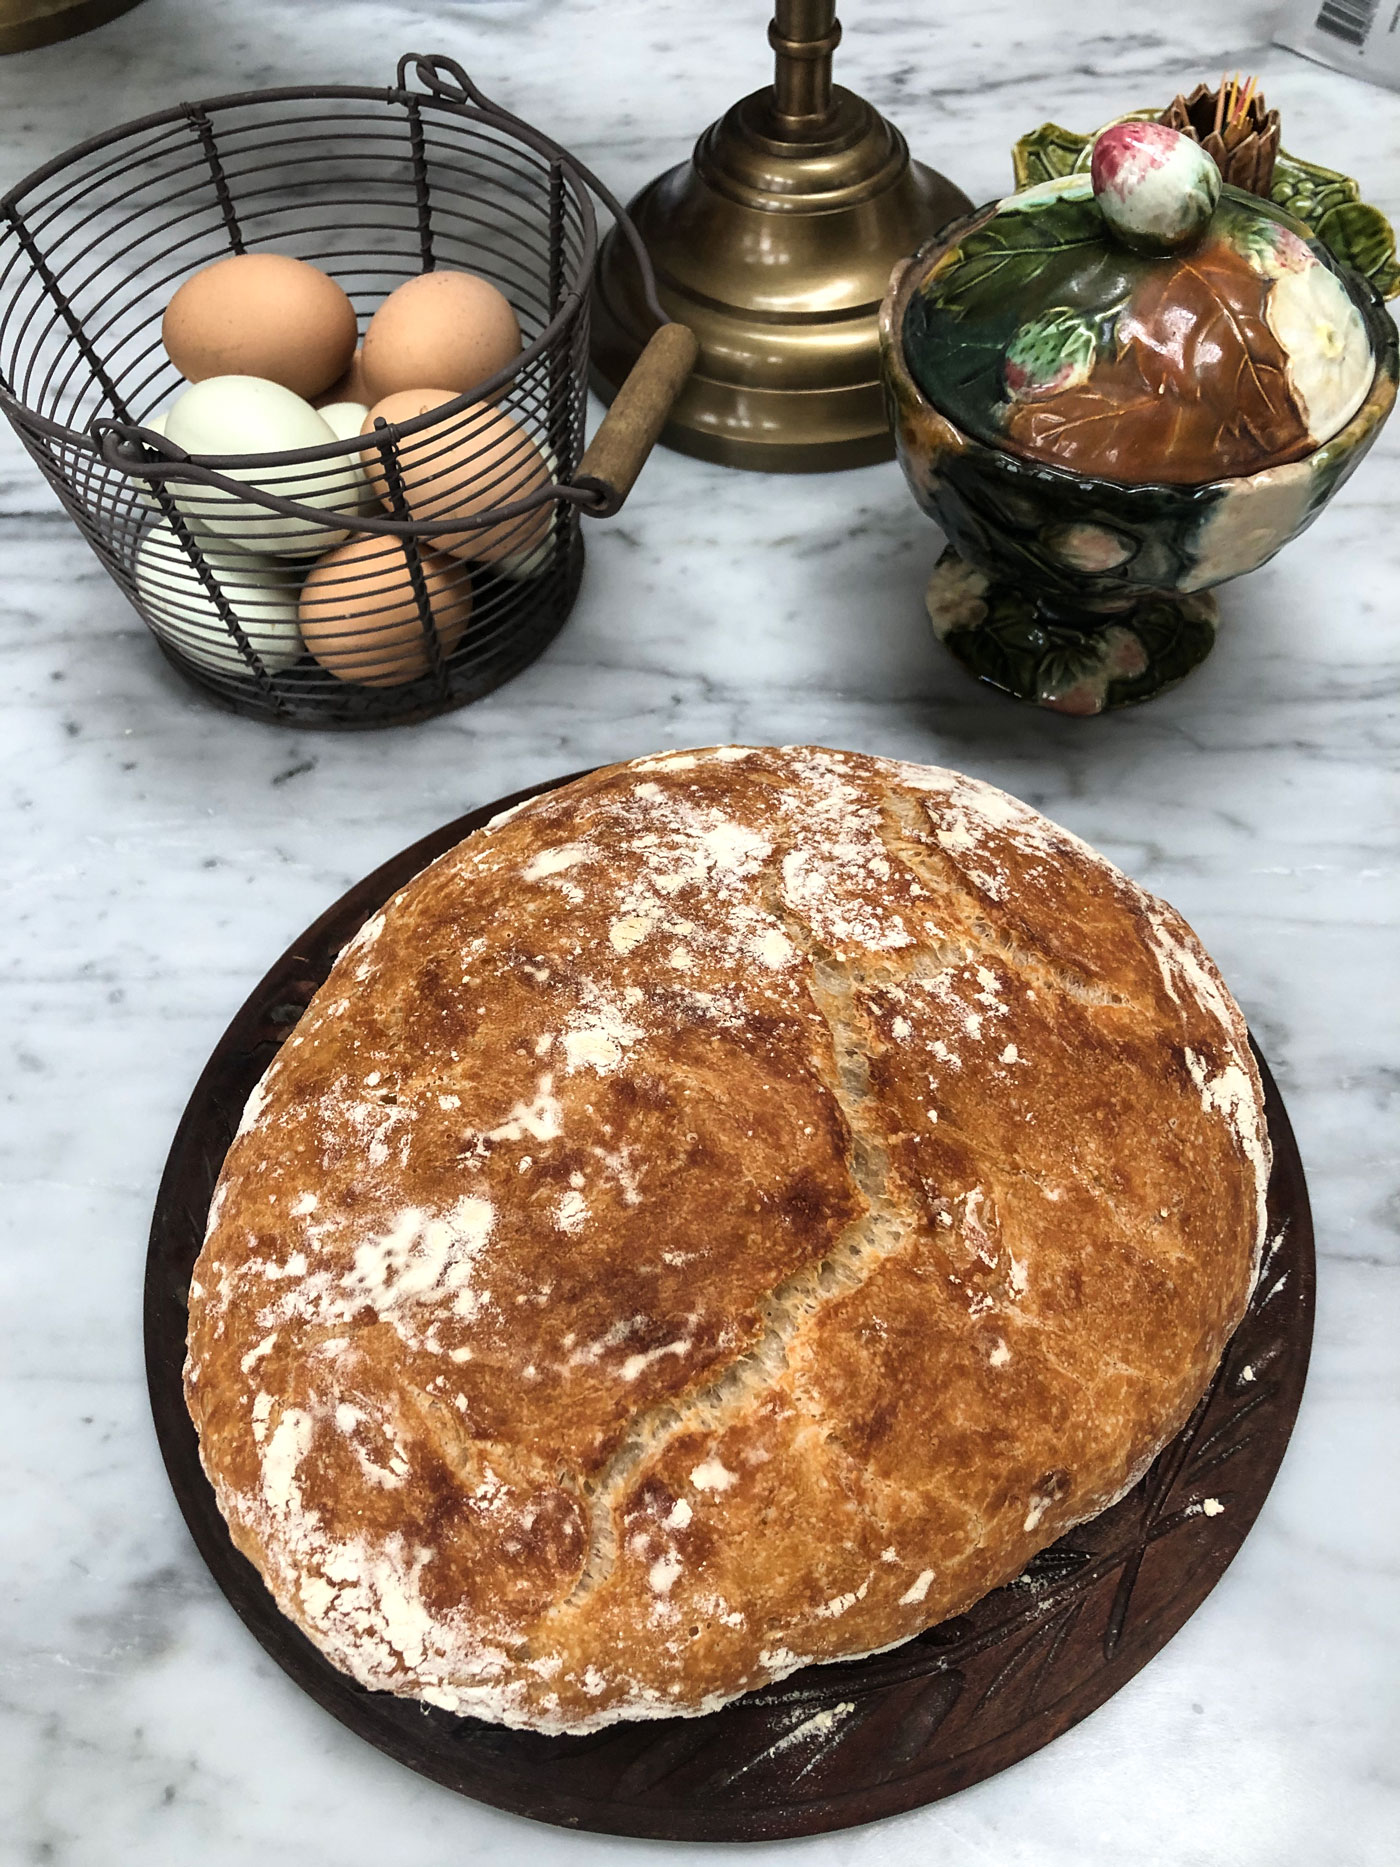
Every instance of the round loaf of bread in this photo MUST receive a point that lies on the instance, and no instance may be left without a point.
(729, 1214)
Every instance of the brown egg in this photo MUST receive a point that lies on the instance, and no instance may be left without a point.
(347, 388)
(261, 314)
(359, 616)
(442, 327)
(466, 464)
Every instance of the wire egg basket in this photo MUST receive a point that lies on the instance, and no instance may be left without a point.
(365, 580)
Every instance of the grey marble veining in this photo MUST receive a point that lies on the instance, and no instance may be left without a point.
(158, 854)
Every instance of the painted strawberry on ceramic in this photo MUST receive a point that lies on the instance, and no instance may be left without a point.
(1053, 352)
(1156, 188)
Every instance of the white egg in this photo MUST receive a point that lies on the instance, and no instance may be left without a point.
(261, 592)
(232, 415)
(345, 420)
(144, 497)
(156, 424)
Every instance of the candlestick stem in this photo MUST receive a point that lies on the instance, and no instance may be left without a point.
(803, 35)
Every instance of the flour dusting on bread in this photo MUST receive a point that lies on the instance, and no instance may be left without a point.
(727, 1215)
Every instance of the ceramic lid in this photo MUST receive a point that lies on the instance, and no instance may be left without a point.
(1140, 323)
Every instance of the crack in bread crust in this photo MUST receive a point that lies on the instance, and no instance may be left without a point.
(886, 1226)
(908, 842)
(790, 1306)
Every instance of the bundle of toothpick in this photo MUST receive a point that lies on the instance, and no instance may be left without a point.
(1234, 126)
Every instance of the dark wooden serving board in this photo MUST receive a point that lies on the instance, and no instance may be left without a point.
(834, 1745)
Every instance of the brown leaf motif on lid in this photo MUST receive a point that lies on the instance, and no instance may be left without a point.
(1197, 390)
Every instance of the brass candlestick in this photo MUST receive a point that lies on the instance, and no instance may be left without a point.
(774, 243)
(25, 24)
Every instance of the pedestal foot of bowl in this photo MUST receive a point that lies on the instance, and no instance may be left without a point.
(1009, 638)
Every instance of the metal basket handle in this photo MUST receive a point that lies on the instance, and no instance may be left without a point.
(632, 426)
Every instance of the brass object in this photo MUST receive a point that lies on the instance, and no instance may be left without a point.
(25, 24)
(774, 244)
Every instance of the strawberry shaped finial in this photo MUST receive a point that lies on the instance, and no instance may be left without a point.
(1156, 188)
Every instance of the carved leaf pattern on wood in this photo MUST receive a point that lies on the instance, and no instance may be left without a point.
(1197, 390)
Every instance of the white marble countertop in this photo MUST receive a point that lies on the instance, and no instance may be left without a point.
(159, 854)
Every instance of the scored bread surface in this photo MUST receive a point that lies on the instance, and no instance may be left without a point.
(729, 1214)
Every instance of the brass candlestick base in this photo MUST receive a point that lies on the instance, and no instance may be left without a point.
(774, 243)
(25, 24)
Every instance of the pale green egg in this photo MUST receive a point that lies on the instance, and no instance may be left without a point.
(345, 420)
(228, 416)
(261, 592)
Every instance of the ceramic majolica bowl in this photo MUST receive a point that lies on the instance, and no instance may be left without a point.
(1111, 405)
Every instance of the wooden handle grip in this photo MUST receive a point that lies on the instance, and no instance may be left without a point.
(631, 427)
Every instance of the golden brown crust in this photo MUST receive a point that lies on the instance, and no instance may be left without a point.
(729, 1214)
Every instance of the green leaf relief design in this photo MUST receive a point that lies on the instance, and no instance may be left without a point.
(1007, 256)
(1016, 648)
(1308, 190)
(1362, 238)
(1046, 154)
